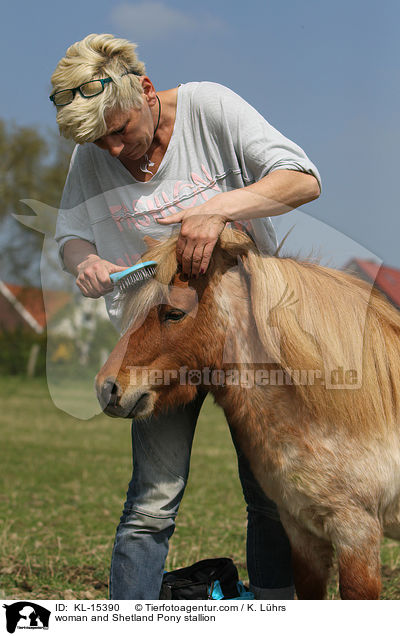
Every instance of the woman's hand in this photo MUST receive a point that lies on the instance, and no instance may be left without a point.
(93, 277)
(199, 234)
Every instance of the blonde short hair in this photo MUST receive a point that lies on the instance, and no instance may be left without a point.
(96, 57)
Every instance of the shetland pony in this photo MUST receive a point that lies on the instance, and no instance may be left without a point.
(305, 362)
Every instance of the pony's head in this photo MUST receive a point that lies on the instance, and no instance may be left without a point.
(307, 320)
(169, 324)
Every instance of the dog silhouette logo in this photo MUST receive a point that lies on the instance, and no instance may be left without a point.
(26, 615)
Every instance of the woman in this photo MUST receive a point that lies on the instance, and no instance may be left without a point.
(200, 156)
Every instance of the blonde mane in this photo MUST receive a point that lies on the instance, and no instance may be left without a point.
(308, 317)
(332, 323)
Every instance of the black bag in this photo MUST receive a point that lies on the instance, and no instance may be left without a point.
(207, 579)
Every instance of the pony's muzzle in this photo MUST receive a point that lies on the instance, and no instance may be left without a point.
(118, 402)
(109, 394)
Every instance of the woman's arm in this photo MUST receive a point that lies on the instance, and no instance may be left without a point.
(276, 193)
(76, 251)
(92, 272)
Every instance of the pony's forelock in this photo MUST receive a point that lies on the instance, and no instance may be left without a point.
(138, 301)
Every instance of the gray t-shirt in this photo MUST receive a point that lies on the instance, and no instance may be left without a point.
(219, 143)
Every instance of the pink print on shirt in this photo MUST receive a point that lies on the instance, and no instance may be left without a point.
(185, 195)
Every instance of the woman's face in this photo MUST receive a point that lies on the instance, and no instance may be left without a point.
(129, 135)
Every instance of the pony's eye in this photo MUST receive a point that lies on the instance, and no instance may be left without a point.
(174, 315)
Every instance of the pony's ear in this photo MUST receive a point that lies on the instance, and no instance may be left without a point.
(151, 242)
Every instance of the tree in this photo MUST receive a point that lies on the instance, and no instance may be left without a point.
(32, 166)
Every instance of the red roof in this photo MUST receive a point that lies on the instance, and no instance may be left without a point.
(31, 298)
(387, 279)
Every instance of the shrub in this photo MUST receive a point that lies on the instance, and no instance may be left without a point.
(15, 349)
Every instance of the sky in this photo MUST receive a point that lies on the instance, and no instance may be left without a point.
(326, 74)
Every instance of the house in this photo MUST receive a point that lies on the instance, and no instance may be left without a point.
(385, 279)
(69, 321)
(22, 307)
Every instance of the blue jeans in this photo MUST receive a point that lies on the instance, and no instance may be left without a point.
(161, 456)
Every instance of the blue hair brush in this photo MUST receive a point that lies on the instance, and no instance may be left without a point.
(133, 275)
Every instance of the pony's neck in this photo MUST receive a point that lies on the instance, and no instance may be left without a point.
(259, 419)
(252, 390)
(240, 343)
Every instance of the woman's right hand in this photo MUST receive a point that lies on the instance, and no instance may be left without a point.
(93, 277)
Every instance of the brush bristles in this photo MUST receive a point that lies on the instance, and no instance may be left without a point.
(136, 277)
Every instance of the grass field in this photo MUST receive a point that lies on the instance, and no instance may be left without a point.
(63, 484)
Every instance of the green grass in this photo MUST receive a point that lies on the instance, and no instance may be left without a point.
(63, 484)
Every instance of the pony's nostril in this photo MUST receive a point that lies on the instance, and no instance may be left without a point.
(110, 393)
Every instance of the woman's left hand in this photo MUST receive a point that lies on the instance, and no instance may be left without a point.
(199, 233)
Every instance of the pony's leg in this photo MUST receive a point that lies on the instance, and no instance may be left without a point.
(311, 560)
(359, 570)
(356, 535)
